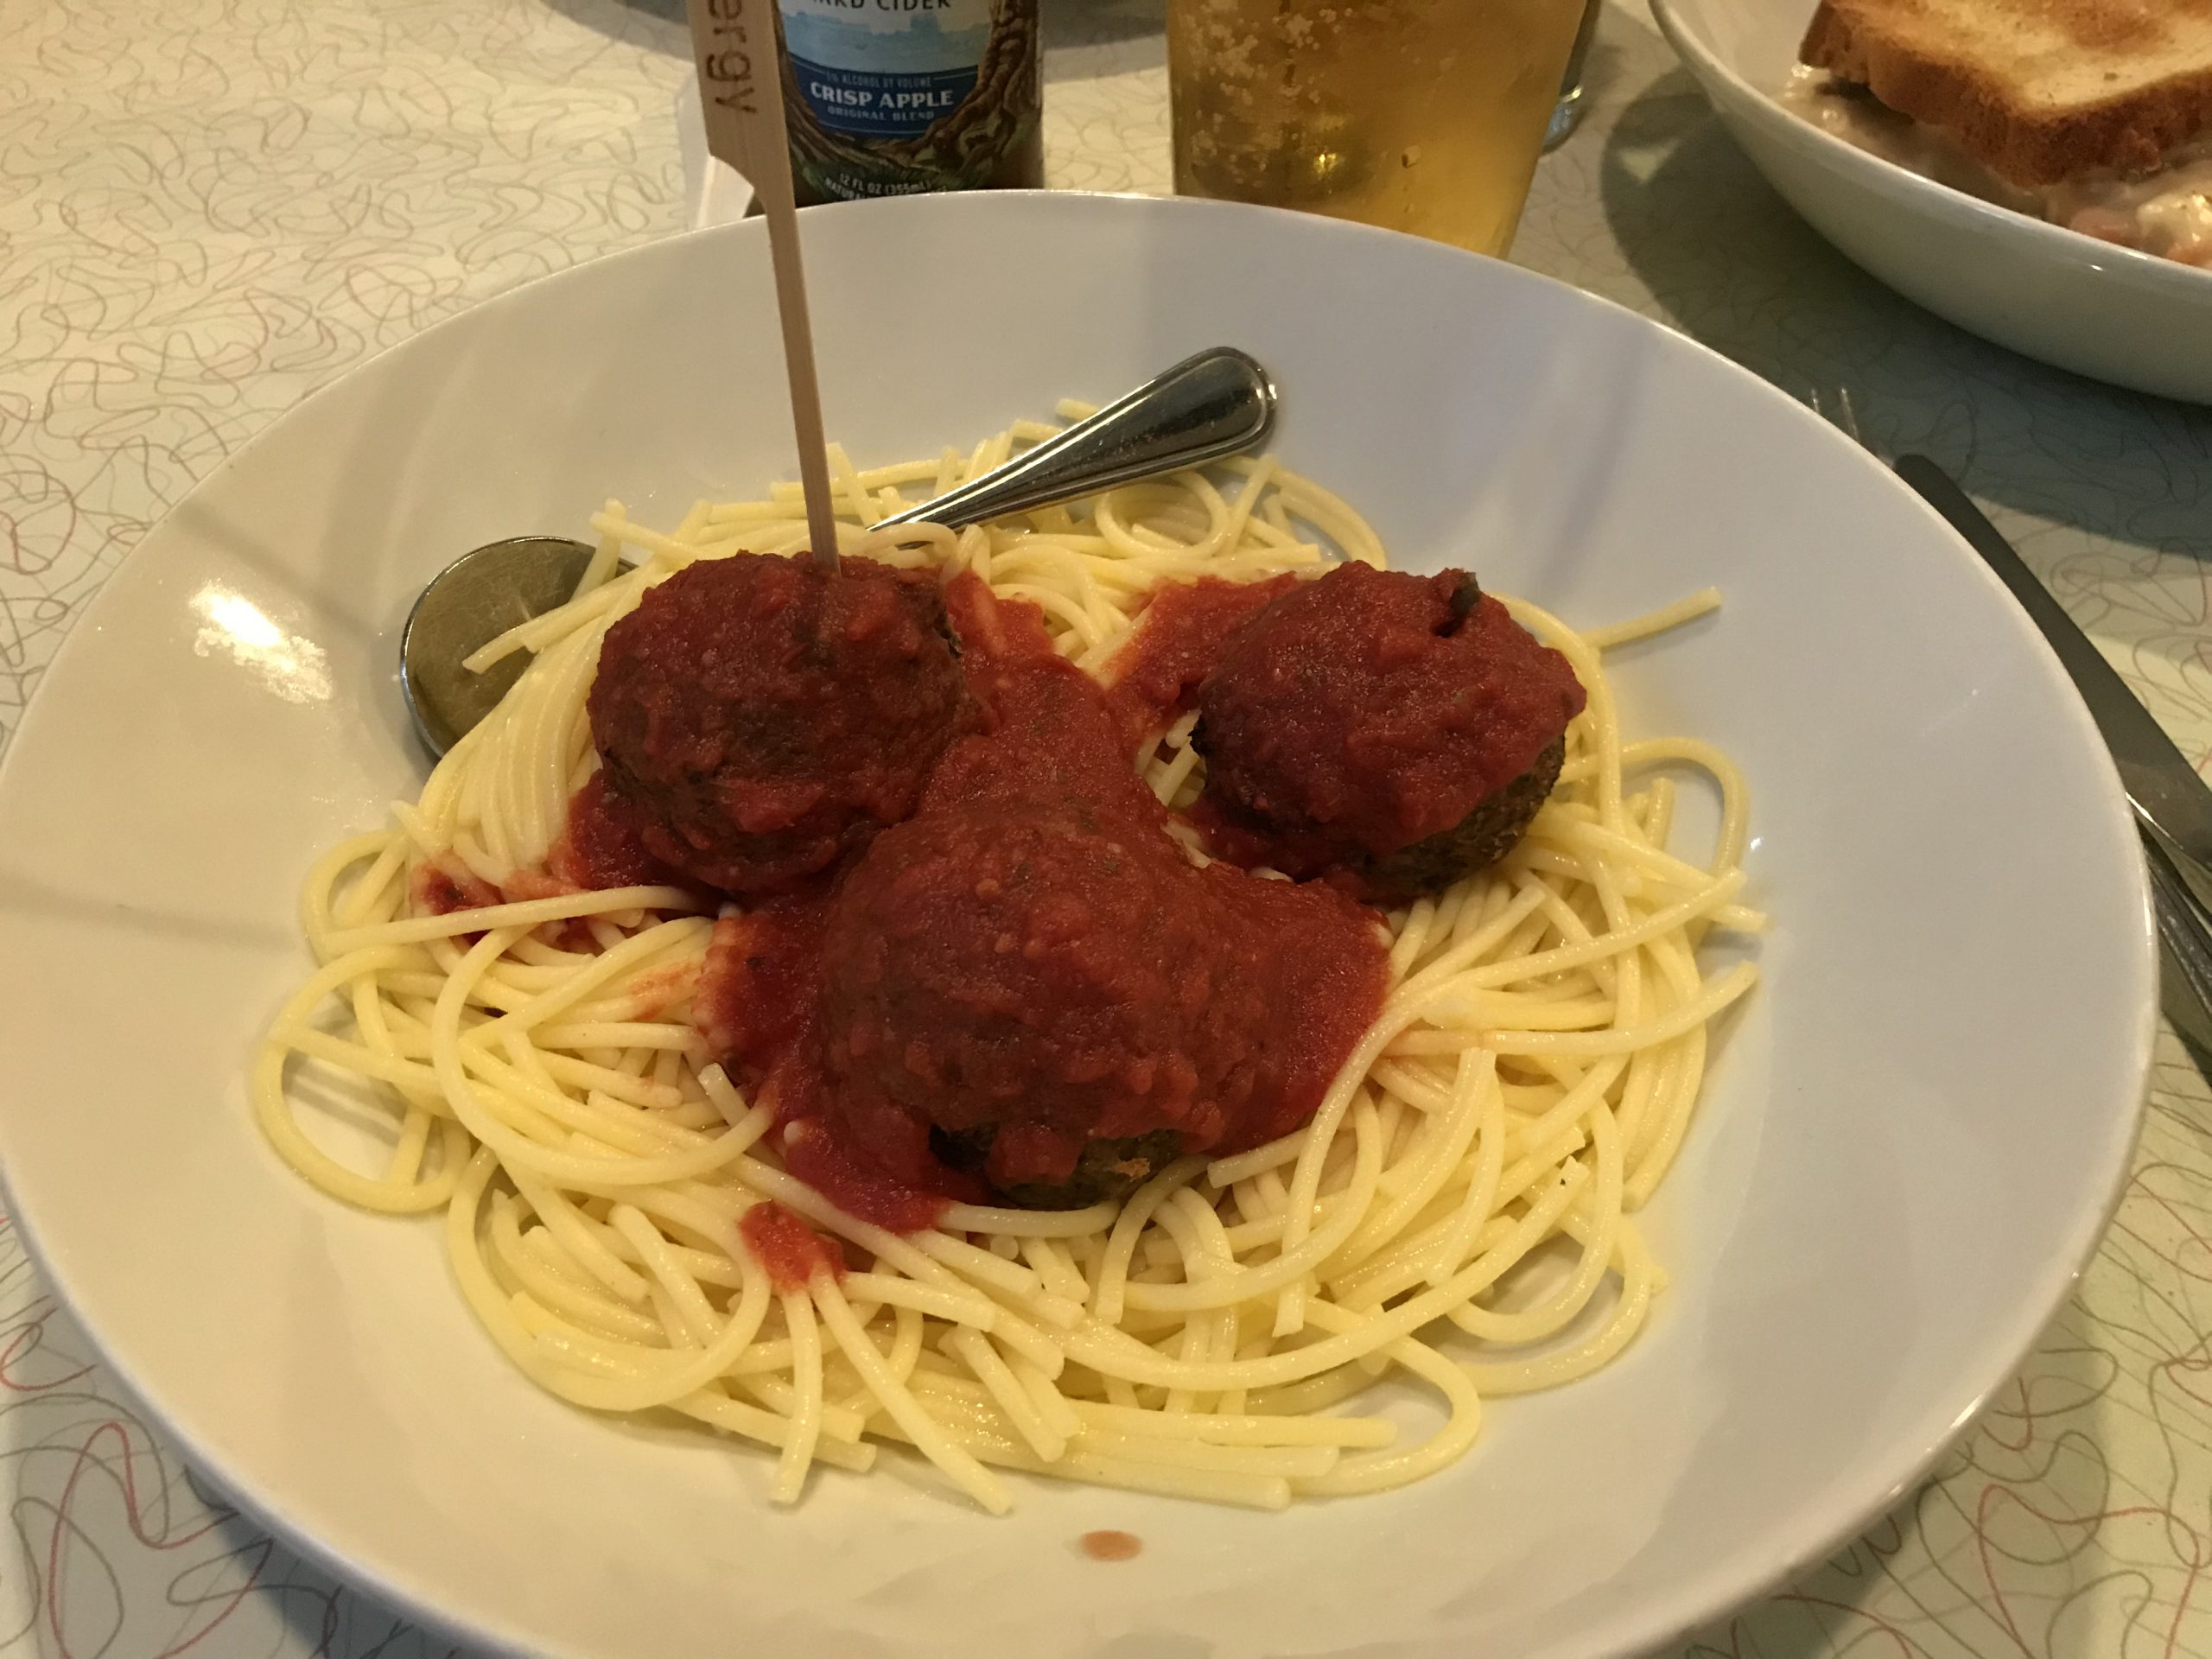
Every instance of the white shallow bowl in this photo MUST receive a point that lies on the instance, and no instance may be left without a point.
(2111, 313)
(1906, 1153)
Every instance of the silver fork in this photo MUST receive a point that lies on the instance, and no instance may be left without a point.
(2181, 885)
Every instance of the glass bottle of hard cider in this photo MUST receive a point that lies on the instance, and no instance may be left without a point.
(888, 97)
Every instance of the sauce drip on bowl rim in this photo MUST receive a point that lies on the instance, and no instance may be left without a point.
(1110, 1544)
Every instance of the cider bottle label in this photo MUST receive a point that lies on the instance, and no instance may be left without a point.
(890, 97)
(885, 68)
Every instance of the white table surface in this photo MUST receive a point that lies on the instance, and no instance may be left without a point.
(208, 207)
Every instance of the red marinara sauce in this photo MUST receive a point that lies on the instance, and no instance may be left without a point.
(791, 1252)
(1178, 638)
(1031, 957)
(444, 885)
(1034, 957)
(600, 844)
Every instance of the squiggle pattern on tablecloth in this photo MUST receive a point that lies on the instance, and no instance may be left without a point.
(209, 208)
(113, 1550)
(2077, 1519)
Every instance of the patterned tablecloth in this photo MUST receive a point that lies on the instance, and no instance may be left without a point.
(208, 207)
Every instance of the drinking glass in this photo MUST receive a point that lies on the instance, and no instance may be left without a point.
(1425, 116)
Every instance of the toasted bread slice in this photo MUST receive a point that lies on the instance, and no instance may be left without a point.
(2038, 91)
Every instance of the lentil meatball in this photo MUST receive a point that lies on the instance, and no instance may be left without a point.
(1103, 1169)
(1062, 1004)
(762, 718)
(1388, 731)
(1033, 980)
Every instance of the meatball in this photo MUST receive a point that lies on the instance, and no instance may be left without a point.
(1491, 831)
(1389, 732)
(1103, 1169)
(1060, 995)
(762, 718)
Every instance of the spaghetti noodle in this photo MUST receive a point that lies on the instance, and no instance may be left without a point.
(1459, 1211)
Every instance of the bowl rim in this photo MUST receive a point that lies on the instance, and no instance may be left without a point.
(2019, 233)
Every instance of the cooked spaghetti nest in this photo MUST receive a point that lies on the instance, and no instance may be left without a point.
(1457, 1213)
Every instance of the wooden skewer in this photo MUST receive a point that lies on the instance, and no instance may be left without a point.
(741, 95)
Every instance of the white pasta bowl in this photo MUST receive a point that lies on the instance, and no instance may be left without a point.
(1907, 1150)
(2110, 312)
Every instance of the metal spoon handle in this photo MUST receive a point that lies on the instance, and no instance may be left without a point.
(1219, 403)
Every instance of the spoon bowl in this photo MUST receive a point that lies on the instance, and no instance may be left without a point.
(472, 601)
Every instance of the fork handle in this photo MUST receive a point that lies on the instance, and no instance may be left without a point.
(2185, 938)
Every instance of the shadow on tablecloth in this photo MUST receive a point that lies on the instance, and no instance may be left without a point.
(663, 25)
(1730, 264)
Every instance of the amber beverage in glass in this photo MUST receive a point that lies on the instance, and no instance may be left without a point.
(1419, 115)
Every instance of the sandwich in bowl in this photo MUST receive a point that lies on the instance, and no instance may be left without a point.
(2092, 114)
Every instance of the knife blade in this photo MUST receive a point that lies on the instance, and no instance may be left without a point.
(2167, 794)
